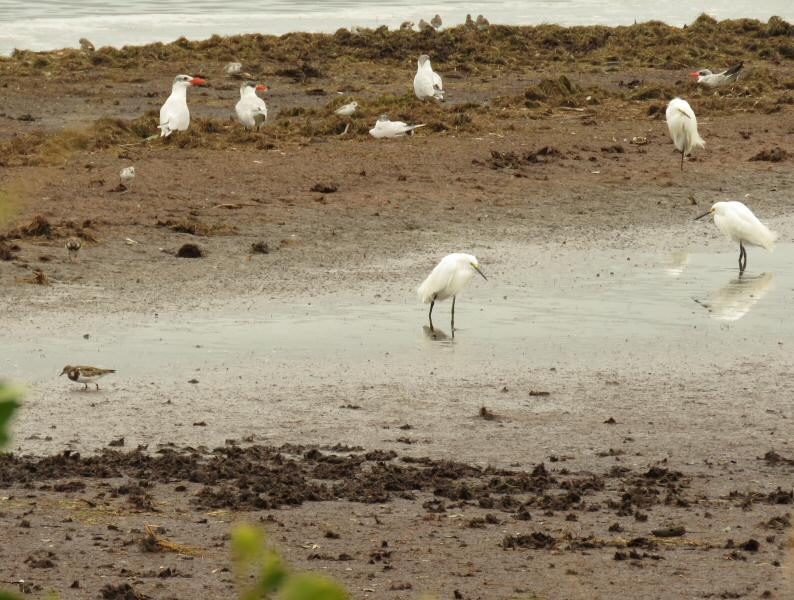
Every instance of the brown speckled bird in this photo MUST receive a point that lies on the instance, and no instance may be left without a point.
(73, 246)
(85, 375)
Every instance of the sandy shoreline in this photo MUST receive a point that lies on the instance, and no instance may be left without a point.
(319, 343)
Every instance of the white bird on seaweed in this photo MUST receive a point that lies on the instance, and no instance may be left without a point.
(683, 127)
(427, 83)
(711, 80)
(448, 278)
(385, 128)
(739, 224)
(347, 110)
(251, 109)
(174, 115)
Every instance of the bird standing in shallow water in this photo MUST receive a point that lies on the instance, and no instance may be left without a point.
(85, 375)
(739, 224)
(683, 127)
(447, 279)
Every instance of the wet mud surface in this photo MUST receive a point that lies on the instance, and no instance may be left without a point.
(612, 419)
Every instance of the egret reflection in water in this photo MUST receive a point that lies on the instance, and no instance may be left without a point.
(435, 334)
(735, 299)
(676, 263)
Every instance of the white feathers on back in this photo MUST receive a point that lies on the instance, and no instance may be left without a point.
(683, 127)
(427, 83)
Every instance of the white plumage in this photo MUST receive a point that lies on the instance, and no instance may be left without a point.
(427, 83)
(174, 114)
(448, 279)
(251, 108)
(711, 80)
(385, 128)
(347, 110)
(740, 225)
(683, 127)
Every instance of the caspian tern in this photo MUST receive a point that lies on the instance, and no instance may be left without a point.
(174, 115)
(427, 83)
(384, 128)
(712, 80)
(683, 127)
(347, 110)
(251, 109)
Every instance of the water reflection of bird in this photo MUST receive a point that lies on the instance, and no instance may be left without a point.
(677, 263)
(435, 334)
(735, 299)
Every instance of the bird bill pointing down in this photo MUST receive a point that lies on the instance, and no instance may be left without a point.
(448, 278)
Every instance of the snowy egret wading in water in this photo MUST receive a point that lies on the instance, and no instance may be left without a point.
(683, 127)
(448, 279)
(739, 224)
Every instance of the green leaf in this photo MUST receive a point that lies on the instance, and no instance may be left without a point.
(8, 596)
(273, 573)
(247, 544)
(8, 405)
(312, 587)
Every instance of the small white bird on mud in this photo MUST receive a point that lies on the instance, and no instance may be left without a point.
(347, 110)
(712, 80)
(427, 83)
(73, 246)
(174, 115)
(251, 109)
(233, 68)
(683, 127)
(85, 375)
(385, 128)
(447, 279)
(126, 175)
(739, 224)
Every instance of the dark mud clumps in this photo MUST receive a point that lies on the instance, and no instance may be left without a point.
(8, 251)
(121, 591)
(189, 251)
(324, 188)
(197, 228)
(555, 92)
(536, 540)
(511, 160)
(776, 154)
(260, 248)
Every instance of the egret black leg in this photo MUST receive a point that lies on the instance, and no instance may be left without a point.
(742, 258)
(682, 160)
(97, 385)
(452, 326)
(430, 315)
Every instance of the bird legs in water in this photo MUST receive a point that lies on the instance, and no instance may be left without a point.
(452, 324)
(742, 258)
(430, 315)
(682, 160)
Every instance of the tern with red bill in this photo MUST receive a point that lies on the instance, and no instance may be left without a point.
(427, 83)
(739, 224)
(174, 115)
(683, 127)
(712, 80)
(251, 109)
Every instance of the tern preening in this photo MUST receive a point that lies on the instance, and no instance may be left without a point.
(447, 279)
(174, 115)
(427, 83)
(385, 128)
(347, 110)
(251, 109)
(711, 80)
(683, 127)
(739, 224)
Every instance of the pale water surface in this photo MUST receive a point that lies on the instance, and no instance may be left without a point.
(51, 24)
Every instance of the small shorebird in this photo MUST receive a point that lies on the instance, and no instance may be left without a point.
(407, 25)
(73, 246)
(427, 83)
(347, 110)
(127, 174)
(85, 375)
(86, 46)
(447, 279)
(385, 128)
(470, 24)
(174, 115)
(436, 21)
(711, 80)
(683, 127)
(739, 224)
(233, 68)
(482, 23)
(251, 109)
(425, 26)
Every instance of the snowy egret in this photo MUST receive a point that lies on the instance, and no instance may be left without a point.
(447, 279)
(739, 224)
(711, 80)
(251, 109)
(427, 83)
(174, 115)
(384, 128)
(85, 375)
(683, 127)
